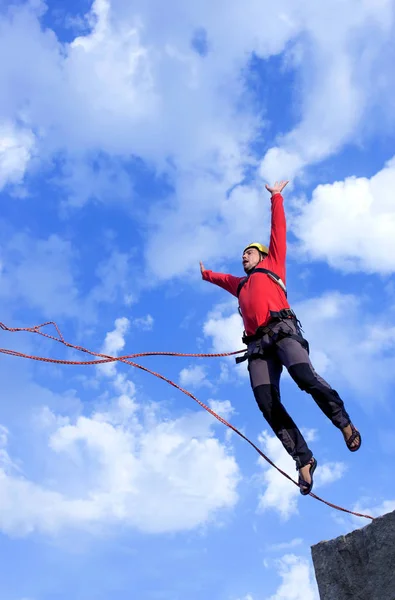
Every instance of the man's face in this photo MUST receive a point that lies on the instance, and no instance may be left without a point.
(251, 257)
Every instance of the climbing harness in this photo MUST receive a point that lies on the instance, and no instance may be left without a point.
(105, 358)
(271, 274)
(254, 352)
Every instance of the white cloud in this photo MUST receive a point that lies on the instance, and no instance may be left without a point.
(124, 80)
(114, 342)
(5, 460)
(222, 223)
(44, 273)
(344, 357)
(287, 545)
(298, 582)
(94, 179)
(3, 436)
(223, 408)
(224, 373)
(310, 435)
(371, 506)
(366, 506)
(124, 466)
(351, 224)
(145, 323)
(114, 275)
(321, 132)
(335, 95)
(194, 376)
(330, 472)
(39, 272)
(225, 326)
(142, 90)
(16, 149)
(280, 494)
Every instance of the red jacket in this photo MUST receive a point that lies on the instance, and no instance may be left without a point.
(261, 294)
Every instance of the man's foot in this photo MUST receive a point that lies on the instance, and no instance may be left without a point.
(352, 437)
(306, 477)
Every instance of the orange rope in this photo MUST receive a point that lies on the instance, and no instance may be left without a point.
(104, 358)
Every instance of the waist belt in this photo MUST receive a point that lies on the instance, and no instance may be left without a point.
(275, 317)
(267, 329)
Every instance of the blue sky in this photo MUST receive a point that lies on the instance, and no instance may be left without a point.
(135, 140)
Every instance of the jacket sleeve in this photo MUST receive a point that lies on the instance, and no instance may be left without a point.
(223, 280)
(278, 237)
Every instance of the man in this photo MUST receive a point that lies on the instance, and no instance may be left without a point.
(273, 337)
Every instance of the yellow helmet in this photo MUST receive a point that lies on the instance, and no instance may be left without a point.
(258, 246)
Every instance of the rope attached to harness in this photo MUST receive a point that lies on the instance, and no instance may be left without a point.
(104, 358)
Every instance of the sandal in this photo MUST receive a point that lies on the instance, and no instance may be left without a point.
(354, 436)
(305, 488)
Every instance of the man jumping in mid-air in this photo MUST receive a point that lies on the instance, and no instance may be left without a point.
(274, 339)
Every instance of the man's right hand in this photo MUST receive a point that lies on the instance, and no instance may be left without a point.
(202, 269)
(277, 188)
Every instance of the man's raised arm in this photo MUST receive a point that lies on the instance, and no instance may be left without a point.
(278, 234)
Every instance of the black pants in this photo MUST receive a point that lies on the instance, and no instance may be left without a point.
(266, 361)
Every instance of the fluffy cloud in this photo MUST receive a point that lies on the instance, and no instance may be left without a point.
(113, 344)
(222, 223)
(334, 98)
(98, 178)
(114, 275)
(143, 87)
(121, 464)
(124, 467)
(225, 326)
(366, 506)
(335, 95)
(115, 341)
(144, 323)
(16, 149)
(45, 272)
(286, 545)
(123, 79)
(223, 408)
(39, 271)
(194, 376)
(350, 346)
(298, 581)
(351, 224)
(5, 460)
